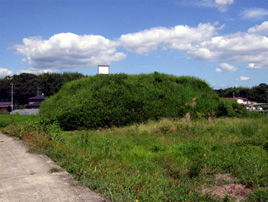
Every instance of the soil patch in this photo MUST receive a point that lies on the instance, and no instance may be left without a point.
(226, 185)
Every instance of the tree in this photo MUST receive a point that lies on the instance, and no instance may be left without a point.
(28, 85)
(256, 93)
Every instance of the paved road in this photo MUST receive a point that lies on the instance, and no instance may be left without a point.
(26, 177)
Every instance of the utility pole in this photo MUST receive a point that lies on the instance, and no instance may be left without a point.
(267, 95)
(12, 95)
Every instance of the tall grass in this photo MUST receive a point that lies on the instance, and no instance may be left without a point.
(165, 160)
(6, 119)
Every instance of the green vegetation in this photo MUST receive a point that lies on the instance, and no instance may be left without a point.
(120, 99)
(54, 170)
(257, 93)
(26, 85)
(261, 195)
(164, 160)
(6, 119)
(172, 146)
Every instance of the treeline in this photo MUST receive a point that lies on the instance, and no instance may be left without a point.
(27, 85)
(257, 93)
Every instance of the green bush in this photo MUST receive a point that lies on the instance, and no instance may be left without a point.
(120, 99)
(230, 108)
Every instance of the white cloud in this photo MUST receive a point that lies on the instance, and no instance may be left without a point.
(238, 47)
(5, 72)
(201, 43)
(223, 4)
(254, 13)
(228, 67)
(32, 70)
(179, 37)
(197, 3)
(251, 66)
(68, 50)
(244, 78)
(259, 29)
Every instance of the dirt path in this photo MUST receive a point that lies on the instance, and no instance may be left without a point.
(26, 177)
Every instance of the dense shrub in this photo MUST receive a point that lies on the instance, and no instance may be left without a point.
(120, 99)
(230, 108)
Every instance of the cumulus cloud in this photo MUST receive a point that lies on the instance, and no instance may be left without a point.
(238, 47)
(203, 42)
(260, 29)
(68, 50)
(244, 78)
(254, 13)
(5, 72)
(228, 67)
(180, 37)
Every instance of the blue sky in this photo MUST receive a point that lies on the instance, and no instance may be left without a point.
(224, 42)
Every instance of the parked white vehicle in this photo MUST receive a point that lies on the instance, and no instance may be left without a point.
(259, 108)
(251, 108)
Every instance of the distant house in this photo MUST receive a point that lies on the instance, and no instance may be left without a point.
(5, 106)
(242, 101)
(35, 102)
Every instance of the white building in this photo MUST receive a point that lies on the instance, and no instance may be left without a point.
(242, 101)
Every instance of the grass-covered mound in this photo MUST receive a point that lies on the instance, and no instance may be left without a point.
(120, 99)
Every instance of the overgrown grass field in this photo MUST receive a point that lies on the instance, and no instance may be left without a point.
(166, 160)
(118, 142)
(6, 119)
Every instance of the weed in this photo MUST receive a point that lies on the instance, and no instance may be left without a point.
(56, 132)
(258, 196)
(7, 119)
(249, 129)
(158, 147)
(19, 137)
(35, 151)
(195, 169)
(84, 139)
(226, 198)
(265, 146)
(54, 170)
